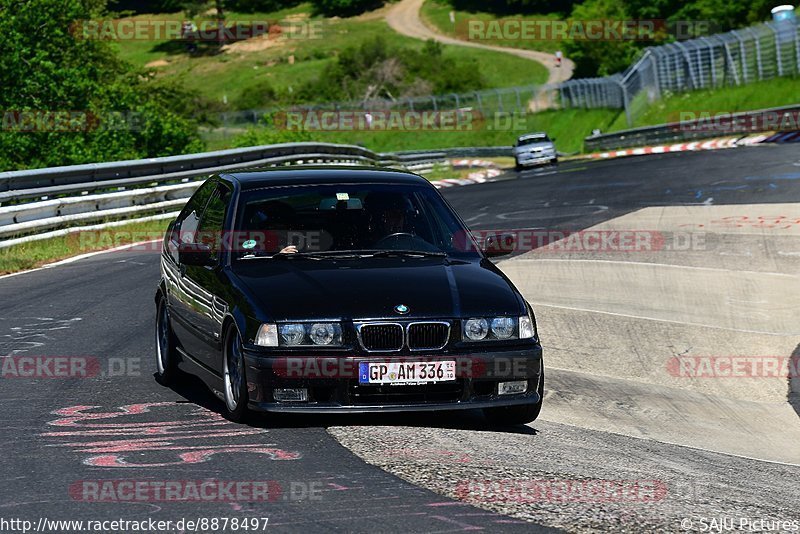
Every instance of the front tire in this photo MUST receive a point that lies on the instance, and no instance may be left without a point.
(518, 166)
(234, 378)
(517, 415)
(166, 355)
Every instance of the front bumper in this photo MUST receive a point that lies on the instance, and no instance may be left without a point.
(333, 387)
(535, 159)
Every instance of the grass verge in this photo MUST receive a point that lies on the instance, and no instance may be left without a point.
(37, 253)
(760, 95)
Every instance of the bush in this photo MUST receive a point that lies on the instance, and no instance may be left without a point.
(374, 70)
(259, 6)
(272, 133)
(344, 8)
(261, 95)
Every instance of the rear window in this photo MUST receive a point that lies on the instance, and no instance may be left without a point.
(531, 140)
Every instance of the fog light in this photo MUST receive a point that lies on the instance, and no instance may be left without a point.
(512, 388)
(291, 395)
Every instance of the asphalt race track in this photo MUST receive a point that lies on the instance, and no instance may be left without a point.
(686, 451)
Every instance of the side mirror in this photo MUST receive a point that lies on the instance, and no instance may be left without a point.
(198, 254)
(499, 245)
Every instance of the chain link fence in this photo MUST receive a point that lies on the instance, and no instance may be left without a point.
(531, 98)
(738, 57)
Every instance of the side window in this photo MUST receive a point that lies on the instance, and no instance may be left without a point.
(185, 227)
(189, 218)
(210, 230)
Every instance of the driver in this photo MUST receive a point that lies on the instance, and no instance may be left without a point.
(388, 214)
(272, 219)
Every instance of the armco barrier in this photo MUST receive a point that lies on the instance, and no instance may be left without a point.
(744, 123)
(17, 185)
(40, 203)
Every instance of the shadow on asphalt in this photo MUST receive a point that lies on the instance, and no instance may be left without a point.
(794, 380)
(194, 391)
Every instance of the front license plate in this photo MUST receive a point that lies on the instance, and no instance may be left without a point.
(406, 372)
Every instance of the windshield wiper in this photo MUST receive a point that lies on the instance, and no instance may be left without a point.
(407, 253)
(350, 254)
(280, 256)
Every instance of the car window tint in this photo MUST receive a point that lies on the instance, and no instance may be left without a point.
(210, 229)
(532, 140)
(189, 220)
(323, 218)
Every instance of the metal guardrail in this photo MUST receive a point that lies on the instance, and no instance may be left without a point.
(17, 185)
(37, 216)
(744, 123)
(154, 186)
(463, 152)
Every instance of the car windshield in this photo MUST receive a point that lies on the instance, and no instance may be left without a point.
(320, 220)
(529, 140)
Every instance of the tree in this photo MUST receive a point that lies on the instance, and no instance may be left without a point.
(344, 8)
(49, 68)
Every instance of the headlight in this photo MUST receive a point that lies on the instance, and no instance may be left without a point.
(292, 334)
(503, 327)
(299, 335)
(476, 329)
(498, 328)
(325, 334)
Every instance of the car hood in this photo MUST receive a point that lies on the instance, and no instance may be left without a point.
(297, 289)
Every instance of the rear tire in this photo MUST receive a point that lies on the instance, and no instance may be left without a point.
(166, 355)
(234, 378)
(517, 415)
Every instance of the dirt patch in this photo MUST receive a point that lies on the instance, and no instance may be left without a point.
(157, 63)
(297, 17)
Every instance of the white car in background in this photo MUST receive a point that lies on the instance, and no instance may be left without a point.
(534, 149)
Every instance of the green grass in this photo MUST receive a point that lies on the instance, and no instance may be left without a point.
(760, 95)
(35, 254)
(288, 63)
(569, 126)
(437, 15)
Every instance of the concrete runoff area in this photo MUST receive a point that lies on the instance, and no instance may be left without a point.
(696, 347)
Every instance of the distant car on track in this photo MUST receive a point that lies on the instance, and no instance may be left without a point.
(342, 290)
(534, 149)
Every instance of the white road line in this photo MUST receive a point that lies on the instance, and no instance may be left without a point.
(694, 267)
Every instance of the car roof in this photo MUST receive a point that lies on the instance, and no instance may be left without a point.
(532, 135)
(305, 175)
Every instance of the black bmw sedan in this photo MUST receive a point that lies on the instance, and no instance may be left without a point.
(342, 289)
